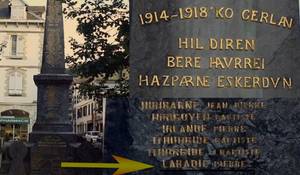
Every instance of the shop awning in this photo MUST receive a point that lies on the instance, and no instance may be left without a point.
(14, 120)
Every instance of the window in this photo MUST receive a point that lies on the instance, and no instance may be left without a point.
(88, 110)
(79, 113)
(14, 46)
(84, 111)
(15, 87)
(16, 49)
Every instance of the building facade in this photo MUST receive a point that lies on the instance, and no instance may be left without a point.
(21, 33)
(88, 114)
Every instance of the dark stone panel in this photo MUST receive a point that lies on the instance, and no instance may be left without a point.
(152, 43)
(129, 132)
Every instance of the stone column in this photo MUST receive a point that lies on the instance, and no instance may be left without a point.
(52, 132)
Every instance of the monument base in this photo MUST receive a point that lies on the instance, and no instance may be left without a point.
(49, 150)
(61, 128)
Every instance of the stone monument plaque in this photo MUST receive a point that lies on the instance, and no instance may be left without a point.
(227, 49)
(214, 88)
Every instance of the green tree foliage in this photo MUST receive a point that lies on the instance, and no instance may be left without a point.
(103, 53)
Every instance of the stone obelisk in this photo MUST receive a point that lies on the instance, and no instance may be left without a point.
(52, 132)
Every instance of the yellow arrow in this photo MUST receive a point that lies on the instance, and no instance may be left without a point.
(124, 165)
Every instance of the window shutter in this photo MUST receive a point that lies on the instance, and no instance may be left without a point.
(15, 84)
(20, 45)
(12, 81)
(19, 83)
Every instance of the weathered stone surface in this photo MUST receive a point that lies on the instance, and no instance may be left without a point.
(277, 129)
(53, 50)
(276, 126)
(52, 134)
(53, 84)
(49, 151)
(53, 104)
(152, 43)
